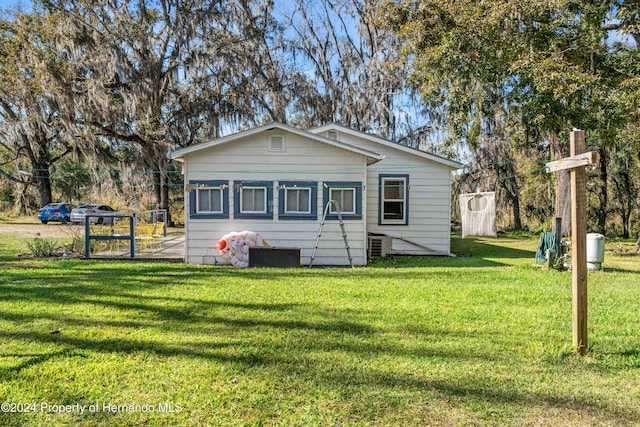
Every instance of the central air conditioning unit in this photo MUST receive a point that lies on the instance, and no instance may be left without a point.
(379, 246)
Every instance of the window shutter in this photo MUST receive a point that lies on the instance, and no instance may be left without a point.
(192, 202)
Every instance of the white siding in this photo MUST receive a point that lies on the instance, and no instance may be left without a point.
(429, 199)
(302, 160)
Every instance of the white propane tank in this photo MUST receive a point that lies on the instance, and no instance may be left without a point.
(595, 251)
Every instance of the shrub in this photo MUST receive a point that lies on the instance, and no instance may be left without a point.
(40, 247)
(76, 246)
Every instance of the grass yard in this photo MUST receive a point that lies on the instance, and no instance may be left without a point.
(480, 340)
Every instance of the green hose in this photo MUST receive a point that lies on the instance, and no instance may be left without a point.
(547, 241)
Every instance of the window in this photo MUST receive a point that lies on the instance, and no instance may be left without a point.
(348, 196)
(394, 199)
(209, 199)
(253, 199)
(298, 200)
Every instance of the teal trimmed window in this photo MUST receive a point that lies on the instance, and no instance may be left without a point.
(347, 194)
(298, 200)
(210, 199)
(393, 199)
(253, 199)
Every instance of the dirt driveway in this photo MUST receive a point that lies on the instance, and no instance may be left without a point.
(31, 230)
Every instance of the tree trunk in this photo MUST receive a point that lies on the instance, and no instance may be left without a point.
(23, 200)
(157, 190)
(164, 202)
(604, 194)
(512, 194)
(625, 195)
(625, 224)
(44, 187)
(636, 249)
(626, 204)
(40, 159)
(560, 150)
(515, 203)
(43, 180)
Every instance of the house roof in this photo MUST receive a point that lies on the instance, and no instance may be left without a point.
(372, 157)
(377, 140)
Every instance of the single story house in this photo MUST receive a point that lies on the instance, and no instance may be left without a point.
(276, 180)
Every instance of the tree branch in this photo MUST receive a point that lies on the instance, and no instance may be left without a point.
(107, 131)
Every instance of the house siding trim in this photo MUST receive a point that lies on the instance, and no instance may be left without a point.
(386, 143)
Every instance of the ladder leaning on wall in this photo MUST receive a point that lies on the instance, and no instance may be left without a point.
(344, 234)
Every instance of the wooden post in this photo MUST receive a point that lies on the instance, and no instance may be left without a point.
(579, 246)
(576, 164)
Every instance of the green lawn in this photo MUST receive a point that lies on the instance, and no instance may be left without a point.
(480, 340)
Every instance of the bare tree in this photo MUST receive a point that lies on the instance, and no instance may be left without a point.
(357, 76)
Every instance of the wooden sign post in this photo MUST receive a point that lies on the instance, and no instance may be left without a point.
(576, 163)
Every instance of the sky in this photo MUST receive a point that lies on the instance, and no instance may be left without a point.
(5, 4)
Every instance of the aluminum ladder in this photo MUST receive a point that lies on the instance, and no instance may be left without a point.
(344, 234)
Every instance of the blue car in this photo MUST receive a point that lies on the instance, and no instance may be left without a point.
(55, 212)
